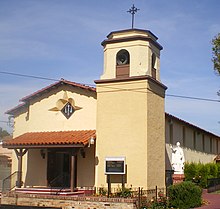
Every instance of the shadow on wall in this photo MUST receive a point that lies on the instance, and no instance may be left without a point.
(36, 168)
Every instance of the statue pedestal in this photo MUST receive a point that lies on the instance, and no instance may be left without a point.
(178, 178)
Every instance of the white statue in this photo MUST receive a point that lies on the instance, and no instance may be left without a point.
(178, 159)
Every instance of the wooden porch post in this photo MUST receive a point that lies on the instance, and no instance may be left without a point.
(73, 168)
(72, 172)
(20, 153)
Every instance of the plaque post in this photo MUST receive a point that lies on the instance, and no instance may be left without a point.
(109, 184)
(123, 182)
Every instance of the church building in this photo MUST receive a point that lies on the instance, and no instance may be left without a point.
(76, 136)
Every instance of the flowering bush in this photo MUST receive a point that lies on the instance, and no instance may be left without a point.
(156, 203)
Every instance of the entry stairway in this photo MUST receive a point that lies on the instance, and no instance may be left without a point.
(54, 191)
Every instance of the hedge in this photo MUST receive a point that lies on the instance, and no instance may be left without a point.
(199, 173)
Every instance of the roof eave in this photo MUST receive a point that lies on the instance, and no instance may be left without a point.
(56, 85)
(190, 124)
(43, 146)
(16, 109)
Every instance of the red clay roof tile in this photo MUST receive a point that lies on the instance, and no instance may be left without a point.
(55, 85)
(58, 138)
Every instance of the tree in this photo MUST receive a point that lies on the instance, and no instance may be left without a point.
(216, 53)
(3, 133)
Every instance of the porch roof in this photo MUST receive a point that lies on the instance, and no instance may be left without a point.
(56, 139)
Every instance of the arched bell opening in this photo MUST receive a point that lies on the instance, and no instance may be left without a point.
(122, 64)
(153, 66)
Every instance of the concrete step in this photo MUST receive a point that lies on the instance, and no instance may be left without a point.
(51, 191)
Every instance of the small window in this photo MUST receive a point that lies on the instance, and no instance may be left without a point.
(68, 110)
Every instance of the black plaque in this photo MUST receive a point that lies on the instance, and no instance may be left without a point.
(115, 166)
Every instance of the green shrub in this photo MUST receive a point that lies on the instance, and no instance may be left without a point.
(213, 170)
(203, 173)
(190, 171)
(124, 192)
(102, 191)
(199, 173)
(185, 195)
(218, 167)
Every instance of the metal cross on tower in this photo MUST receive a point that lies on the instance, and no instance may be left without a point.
(133, 10)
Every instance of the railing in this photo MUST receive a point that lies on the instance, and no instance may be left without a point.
(156, 196)
(62, 179)
(144, 198)
(169, 177)
(213, 184)
(9, 182)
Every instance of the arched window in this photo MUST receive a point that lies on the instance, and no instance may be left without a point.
(122, 57)
(153, 67)
(122, 64)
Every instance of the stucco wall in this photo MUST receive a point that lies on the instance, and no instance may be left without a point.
(86, 168)
(36, 171)
(125, 127)
(190, 156)
(155, 136)
(197, 145)
(119, 113)
(38, 118)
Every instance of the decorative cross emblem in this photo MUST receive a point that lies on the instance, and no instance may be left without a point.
(66, 106)
(68, 110)
(133, 10)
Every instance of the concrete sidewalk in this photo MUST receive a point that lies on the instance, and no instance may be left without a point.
(213, 199)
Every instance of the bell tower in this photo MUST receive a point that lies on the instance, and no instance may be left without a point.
(130, 53)
(130, 109)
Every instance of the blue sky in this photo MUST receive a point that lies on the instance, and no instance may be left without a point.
(61, 39)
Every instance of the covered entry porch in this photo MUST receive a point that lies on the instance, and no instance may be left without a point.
(64, 159)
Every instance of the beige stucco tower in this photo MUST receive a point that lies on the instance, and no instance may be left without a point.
(130, 109)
